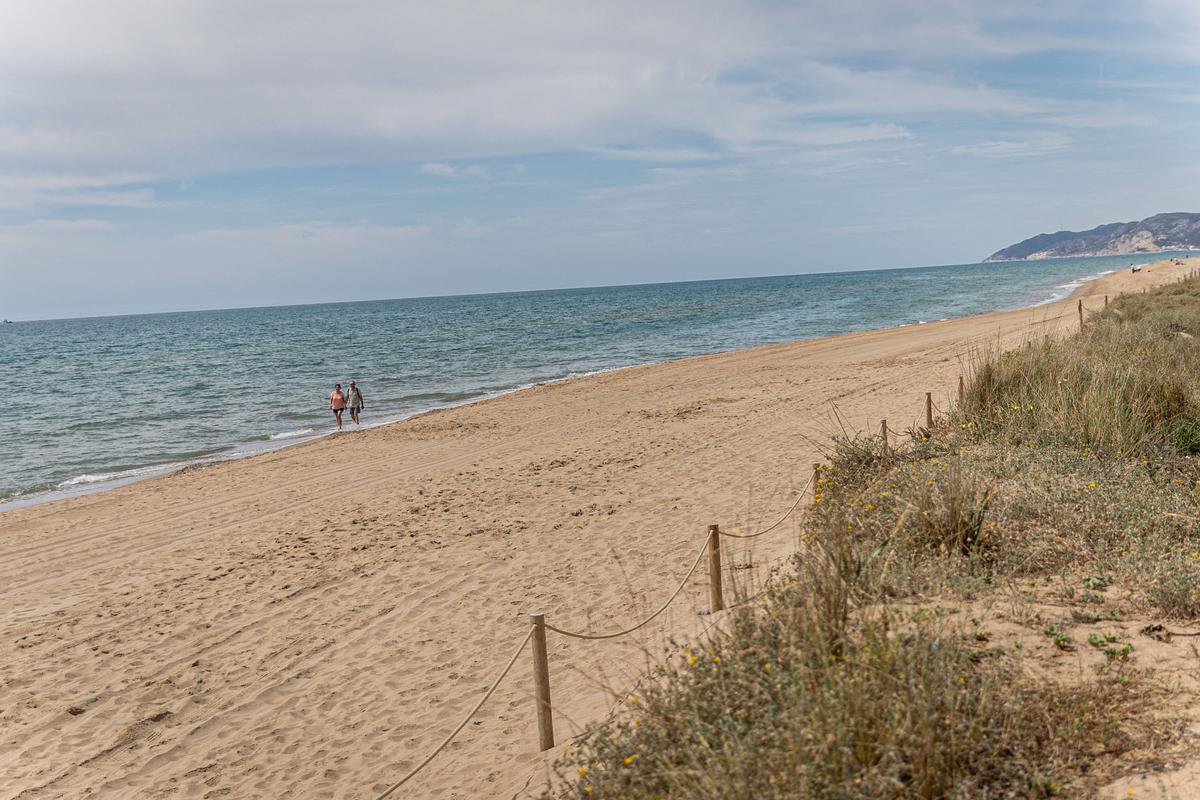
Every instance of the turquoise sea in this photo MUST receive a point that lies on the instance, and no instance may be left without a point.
(106, 400)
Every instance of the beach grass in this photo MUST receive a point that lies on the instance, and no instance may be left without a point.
(1070, 472)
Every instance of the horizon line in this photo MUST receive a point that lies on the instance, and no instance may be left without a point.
(571, 288)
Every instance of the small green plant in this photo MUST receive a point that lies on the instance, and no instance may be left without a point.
(1092, 617)
(1061, 639)
(1101, 639)
(1097, 583)
(1121, 653)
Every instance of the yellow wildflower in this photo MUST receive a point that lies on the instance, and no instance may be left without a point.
(583, 772)
(630, 759)
(692, 661)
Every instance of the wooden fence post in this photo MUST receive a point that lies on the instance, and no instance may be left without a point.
(1081, 315)
(1106, 301)
(961, 392)
(541, 681)
(716, 602)
(883, 433)
(929, 410)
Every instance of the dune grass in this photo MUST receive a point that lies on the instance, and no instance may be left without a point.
(1072, 460)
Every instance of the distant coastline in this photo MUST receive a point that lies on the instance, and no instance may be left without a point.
(1177, 232)
(1170, 252)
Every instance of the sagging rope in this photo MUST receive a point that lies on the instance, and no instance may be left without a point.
(699, 556)
(466, 719)
(662, 608)
(778, 522)
(591, 636)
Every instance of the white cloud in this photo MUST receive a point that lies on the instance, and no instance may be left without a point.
(183, 88)
(1039, 145)
(661, 155)
(108, 189)
(69, 225)
(310, 237)
(442, 170)
(50, 229)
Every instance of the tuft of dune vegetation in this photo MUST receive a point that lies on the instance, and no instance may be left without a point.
(1068, 476)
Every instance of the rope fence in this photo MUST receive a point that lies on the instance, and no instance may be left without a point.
(781, 520)
(539, 626)
(647, 620)
(470, 715)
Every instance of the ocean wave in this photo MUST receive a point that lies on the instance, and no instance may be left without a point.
(1066, 289)
(104, 477)
(289, 434)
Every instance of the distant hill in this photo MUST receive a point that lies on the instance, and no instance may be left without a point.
(1175, 231)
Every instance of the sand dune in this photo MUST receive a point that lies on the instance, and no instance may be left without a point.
(310, 622)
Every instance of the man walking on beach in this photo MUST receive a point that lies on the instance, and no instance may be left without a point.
(354, 400)
(337, 403)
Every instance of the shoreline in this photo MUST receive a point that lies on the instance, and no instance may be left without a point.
(89, 484)
(313, 620)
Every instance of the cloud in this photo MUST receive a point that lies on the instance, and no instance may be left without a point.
(41, 230)
(443, 170)
(658, 154)
(177, 89)
(46, 189)
(69, 225)
(309, 237)
(1039, 145)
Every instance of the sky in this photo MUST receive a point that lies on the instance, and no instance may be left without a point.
(180, 155)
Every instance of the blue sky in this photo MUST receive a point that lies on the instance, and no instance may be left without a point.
(214, 154)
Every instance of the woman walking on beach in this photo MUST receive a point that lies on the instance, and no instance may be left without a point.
(354, 400)
(337, 402)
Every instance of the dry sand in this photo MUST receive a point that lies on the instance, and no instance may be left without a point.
(311, 622)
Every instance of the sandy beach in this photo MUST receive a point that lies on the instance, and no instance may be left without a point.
(312, 621)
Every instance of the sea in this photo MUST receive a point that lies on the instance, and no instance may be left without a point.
(103, 401)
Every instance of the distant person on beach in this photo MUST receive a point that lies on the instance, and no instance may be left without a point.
(337, 402)
(354, 400)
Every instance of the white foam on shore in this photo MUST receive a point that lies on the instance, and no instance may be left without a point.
(119, 475)
(1066, 289)
(289, 434)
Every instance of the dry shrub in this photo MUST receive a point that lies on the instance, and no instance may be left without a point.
(801, 699)
(1126, 384)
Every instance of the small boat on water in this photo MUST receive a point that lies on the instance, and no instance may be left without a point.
(8, 322)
